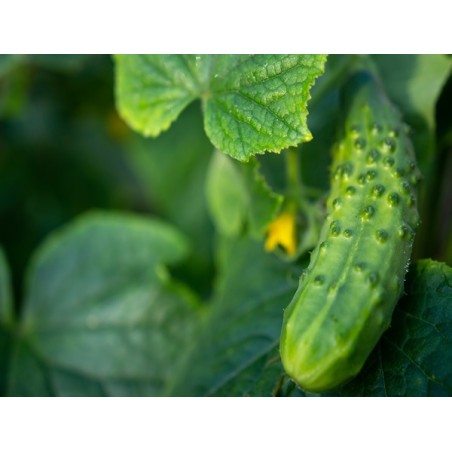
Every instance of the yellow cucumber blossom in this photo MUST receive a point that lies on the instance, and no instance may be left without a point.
(282, 232)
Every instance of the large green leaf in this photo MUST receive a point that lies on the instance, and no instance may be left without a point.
(101, 314)
(6, 318)
(251, 103)
(243, 324)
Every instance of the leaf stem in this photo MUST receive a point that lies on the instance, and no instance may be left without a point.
(293, 171)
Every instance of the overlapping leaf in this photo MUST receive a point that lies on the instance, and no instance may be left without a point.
(243, 325)
(102, 316)
(251, 103)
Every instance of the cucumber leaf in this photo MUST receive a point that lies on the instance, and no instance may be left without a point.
(102, 316)
(251, 103)
(242, 325)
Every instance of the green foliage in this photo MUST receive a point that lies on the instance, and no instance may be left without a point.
(251, 103)
(226, 194)
(8, 63)
(165, 287)
(243, 324)
(239, 195)
(101, 311)
(17, 70)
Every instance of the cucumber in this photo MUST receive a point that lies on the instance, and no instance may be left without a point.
(347, 295)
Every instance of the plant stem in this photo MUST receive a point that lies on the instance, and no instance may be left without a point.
(293, 171)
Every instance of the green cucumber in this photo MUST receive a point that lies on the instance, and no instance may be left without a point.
(347, 295)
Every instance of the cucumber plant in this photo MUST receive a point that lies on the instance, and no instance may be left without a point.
(245, 172)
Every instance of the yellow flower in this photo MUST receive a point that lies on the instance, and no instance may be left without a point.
(282, 232)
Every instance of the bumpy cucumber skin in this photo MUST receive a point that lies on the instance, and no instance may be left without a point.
(346, 297)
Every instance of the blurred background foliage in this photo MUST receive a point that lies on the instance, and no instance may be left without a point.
(64, 150)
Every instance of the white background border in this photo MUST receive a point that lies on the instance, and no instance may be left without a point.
(232, 26)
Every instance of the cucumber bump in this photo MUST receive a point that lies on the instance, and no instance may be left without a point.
(346, 297)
